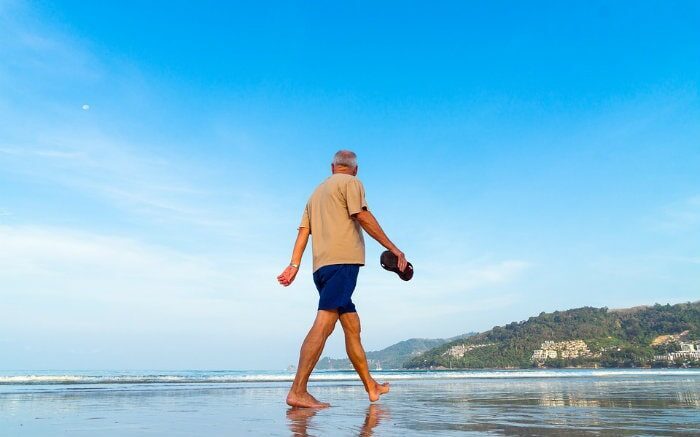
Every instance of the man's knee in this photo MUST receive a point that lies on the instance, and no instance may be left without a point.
(329, 329)
(351, 324)
(325, 321)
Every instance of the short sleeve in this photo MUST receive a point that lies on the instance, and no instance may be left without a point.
(305, 222)
(355, 197)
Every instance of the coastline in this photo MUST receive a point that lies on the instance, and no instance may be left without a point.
(17, 380)
(529, 402)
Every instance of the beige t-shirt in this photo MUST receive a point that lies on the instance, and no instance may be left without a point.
(336, 237)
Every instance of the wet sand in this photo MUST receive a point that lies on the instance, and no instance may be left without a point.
(655, 405)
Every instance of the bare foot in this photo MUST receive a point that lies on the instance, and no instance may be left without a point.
(304, 400)
(376, 390)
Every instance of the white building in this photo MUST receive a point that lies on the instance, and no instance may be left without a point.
(459, 350)
(688, 347)
(561, 349)
(689, 351)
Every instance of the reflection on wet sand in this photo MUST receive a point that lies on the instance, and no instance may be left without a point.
(300, 423)
(299, 420)
(560, 400)
(560, 407)
(375, 413)
(613, 405)
(689, 398)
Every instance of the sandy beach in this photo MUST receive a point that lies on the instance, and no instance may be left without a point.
(573, 402)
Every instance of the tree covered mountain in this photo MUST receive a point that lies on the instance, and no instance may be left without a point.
(392, 357)
(578, 337)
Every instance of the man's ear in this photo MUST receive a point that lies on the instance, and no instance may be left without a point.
(332, 168)
(354, 173)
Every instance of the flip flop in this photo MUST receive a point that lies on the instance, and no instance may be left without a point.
(390, 262)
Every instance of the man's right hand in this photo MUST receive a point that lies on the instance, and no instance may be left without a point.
(288, 275)
(402, 263)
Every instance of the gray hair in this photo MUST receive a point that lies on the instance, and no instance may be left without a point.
(345, 158)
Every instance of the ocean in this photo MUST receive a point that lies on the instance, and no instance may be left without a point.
(465, 402)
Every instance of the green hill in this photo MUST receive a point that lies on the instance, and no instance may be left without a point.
(578, 337)
(392, 357)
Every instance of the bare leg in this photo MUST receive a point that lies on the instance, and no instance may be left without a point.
(308, 357)
(356, 353)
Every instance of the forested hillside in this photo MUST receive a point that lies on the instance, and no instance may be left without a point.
(578, 337)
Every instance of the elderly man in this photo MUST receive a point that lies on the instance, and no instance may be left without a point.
(335, 215)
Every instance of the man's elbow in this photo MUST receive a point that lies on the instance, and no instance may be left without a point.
(362, 217)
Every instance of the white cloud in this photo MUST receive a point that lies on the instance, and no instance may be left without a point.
(30, 46)
(161, 189)
(443, 299)
(497, 273)
(458, 277)
(40, 264)
(679, 216)
(79, 289)
(691, 260)
(167, 251)
(72, 264)
(438, 290)
(57, 280)
(47, 142)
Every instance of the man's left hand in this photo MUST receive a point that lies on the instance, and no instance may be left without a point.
(288, 275)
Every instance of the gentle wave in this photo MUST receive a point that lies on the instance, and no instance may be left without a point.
(242, 377)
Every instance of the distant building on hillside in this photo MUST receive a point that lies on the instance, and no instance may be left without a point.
(561, 349)
(689, 351)
(459, 350)
(543, 354)
(688, 347)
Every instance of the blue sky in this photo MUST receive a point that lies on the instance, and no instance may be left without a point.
(527, 157)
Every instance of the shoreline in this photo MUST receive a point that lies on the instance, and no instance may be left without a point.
(58, 379)
(644, 402)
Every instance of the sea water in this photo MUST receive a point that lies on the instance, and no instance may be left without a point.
(478, 402)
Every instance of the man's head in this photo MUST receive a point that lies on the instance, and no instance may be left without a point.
(344, 161)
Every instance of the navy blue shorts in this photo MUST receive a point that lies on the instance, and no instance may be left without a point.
(335, 284)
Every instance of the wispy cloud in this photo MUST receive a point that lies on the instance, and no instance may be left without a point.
(442, 299)
(52, 141)
(61, 146)
(65, 287)
(75, 264)
(110, 276)
(453, 278)
(29, 46)
(679, 216)
(27, 153)
(177, 249)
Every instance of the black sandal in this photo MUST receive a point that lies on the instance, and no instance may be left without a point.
(390, 262)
